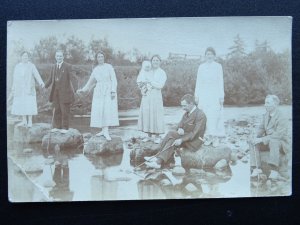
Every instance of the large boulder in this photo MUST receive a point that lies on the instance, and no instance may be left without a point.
(71, 139)
(100, 146)
(141, 149)
(205, 157)
(32, 134)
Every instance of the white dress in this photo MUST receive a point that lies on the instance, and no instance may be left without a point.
(151, 117)
(209, 90)
(23, 89)
(104, 111)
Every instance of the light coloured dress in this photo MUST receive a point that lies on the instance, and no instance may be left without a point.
(151, 117)
(23, 89)
(209, 90)
(104, 111)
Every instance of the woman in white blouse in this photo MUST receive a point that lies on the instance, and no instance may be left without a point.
(23, 89)
(151, 117)
(104, 111)
(209, 93)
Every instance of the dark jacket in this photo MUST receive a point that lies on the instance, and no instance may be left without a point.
(194, 127)
(66, 90)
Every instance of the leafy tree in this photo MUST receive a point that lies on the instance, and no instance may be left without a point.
(75, 50)
(238, 48)
(100, 45)
(45, 49)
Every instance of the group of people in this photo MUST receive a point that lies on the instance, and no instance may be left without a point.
(202, 122)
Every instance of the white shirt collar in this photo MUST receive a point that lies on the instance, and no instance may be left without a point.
(59, 64)
(193, 109)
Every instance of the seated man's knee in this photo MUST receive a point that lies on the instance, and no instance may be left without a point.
(172, 133)
(274, 143)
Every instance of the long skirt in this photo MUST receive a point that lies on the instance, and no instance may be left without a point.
(151, 117)
(24, 105)
(104, 111)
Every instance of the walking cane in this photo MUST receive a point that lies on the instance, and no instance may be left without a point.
(252, 146)
(51, 127)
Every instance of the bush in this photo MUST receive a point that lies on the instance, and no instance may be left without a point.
(247, 80)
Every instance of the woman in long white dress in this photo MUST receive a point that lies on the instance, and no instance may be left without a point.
(104, 111)
(209, 93)
(151, 117)
(23, 89)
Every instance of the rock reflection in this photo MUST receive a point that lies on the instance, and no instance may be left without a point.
(102, 189)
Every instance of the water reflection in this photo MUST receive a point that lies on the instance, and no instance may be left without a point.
(80, 177)
(61, 191)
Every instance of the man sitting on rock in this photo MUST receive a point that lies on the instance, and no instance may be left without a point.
(189, 133)
(272, 137)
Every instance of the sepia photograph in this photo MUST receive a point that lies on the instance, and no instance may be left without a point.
(154, 108)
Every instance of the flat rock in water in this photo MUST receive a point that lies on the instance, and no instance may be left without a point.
(210, 175)
(99, 145)
(205, 157)
(114, 174)
(49, 183)
(33, 168)
(165, 182)
(222, 164)
(197, 171)
(178, 171)
(191, 188)
(33, 134)
(28, 150)
(242, 122)
(263, 177)
(71, 139)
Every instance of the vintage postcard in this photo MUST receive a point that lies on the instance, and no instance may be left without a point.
(158, 108)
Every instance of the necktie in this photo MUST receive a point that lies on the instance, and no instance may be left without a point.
(269, 118)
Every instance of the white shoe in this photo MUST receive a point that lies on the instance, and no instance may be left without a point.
(150, 158)
(100, 134)
(274, 175)
(108, 138)
(256, 172)
(153, 164)
(63, 131)
(54, 130)
(157, 140)
(29, 124)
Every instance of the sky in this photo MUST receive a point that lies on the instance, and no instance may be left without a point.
(161, 35)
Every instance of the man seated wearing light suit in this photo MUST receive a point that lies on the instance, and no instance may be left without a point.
(189, 133)
(272, 136)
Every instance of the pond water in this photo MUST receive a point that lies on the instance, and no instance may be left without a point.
(80, 177)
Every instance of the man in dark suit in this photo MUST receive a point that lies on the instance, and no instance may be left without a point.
(62, 92)
(189, 133)
(272, 136)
